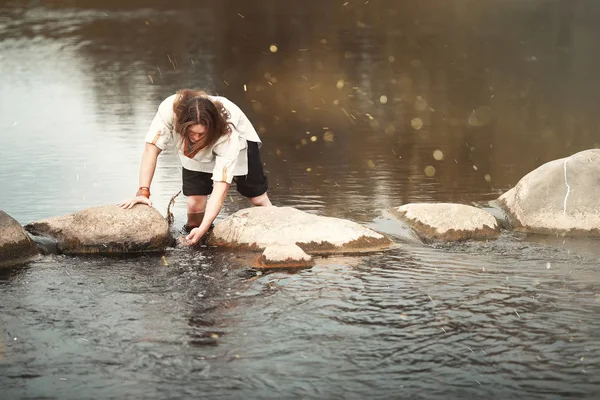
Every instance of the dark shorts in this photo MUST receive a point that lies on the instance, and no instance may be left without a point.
(252, 185)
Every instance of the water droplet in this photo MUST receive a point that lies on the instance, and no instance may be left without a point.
(416, 123)
(430, 171)
(383, 99)
(438, 155)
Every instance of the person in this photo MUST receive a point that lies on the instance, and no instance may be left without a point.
(217, 145)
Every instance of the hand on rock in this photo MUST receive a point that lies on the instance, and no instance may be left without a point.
(129, 203)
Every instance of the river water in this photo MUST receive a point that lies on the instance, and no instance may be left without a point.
(351, 100)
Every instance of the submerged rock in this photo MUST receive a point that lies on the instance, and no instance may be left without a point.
(560, 197)
(15, 245)
(106, 229)
(260, 227)
(448, 222)
(288, 256)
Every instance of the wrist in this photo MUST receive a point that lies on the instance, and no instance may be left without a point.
(143, 191)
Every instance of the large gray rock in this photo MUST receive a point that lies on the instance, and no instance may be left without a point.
(107, 229)
(15, 245)
(260, 227)
(448, 222)
(560, 197)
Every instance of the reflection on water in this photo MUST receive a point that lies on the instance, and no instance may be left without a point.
(362, 105)
(352, 105)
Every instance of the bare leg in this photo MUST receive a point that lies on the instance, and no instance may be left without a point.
(261, 201)
(196, 206)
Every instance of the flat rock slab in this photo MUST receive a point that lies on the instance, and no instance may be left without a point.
(107, 229)
(15, 245)
(260, 227)
(448, 222)
(288, 256)
(559, 197)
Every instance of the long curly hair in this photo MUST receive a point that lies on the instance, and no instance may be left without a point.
(192, 107)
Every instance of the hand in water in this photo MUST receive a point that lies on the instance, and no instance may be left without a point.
(193, 238)
(129, 203)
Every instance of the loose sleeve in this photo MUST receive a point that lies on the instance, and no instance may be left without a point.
(226, 157)
(160, 132)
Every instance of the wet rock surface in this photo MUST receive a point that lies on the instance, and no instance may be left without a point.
(261, 227)
(560, 197)
(288, 256)
(15, 245)
(106, 229)
(448, 222)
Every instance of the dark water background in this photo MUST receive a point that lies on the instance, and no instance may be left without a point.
(351, 107)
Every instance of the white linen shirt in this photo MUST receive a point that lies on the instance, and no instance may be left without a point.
(225, 159)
